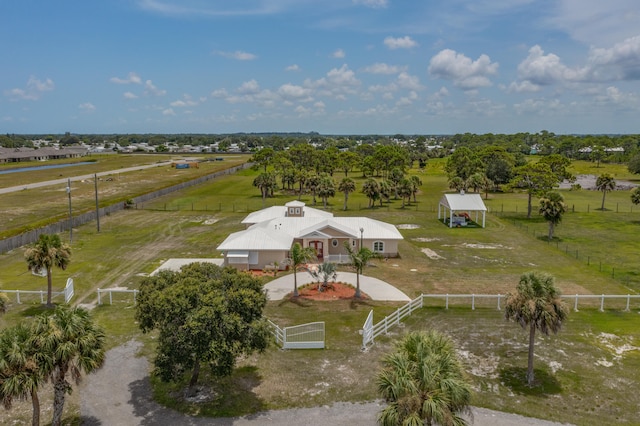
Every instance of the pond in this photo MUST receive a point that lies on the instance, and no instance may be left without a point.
(50, 166)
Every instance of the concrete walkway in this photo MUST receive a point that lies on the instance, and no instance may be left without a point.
(375, 288)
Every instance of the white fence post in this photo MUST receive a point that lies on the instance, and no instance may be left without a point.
(575, 306)
(446, 304)
(628, 299)
(602, 304)
(499, 296)
(473, 302)
(99, 300)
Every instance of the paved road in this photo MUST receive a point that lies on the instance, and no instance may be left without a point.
(120, 394)
(82, 177)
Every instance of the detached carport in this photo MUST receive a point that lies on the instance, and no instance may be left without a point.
(461, 203)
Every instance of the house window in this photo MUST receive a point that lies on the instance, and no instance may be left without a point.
(297, 210)
(334, 242)
(378, 246)
(353, 243)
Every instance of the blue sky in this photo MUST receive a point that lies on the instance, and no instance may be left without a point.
(331, 66)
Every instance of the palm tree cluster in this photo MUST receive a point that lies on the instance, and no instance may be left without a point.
(401, 186)
(423, 383)
(311, 170)
(56, 346)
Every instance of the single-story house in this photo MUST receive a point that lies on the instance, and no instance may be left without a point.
(459, 207)
(271, 232)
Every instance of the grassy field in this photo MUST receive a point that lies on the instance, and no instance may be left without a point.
(32, 208)
(585, 371)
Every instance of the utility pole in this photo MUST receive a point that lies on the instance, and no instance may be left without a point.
(95, 176)
(70, 217)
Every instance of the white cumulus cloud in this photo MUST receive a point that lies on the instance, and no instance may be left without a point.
(238, 55)
(33, 91)
(131, 78)
(87, 107)
(382, 68)
(376, 4)
(405, 42)
(464, 72)
(339, 53)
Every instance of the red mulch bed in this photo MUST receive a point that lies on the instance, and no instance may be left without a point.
(334, 291)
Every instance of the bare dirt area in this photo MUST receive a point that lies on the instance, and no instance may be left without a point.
(589, 182)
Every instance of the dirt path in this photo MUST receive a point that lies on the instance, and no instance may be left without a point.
(120, 394)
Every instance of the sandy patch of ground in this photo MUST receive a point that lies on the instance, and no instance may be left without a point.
(425, 240)
(408, 226)
(431, 254)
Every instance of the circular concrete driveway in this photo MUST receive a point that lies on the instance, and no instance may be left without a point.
(375, 288)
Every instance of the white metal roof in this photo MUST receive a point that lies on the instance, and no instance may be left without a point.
(463, 202)
(256, 238)
(280, 211)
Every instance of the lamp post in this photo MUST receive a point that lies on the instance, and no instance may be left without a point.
(70, 217)
(361, 236)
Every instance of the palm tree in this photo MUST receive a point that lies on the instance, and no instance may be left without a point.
(605, 183)
(635, 195)
(537, 305)
(347, 185)
(359, 259)
(416, 183)
(552, 207)
(404, 189)
(457, 183)
(73, 344)
(326, 188)
(325, 272)
(476, 181)
(423, 382)
(298, 257)
(265, 182)
(371, 190)
(385, 187)
(47, 252)
(312, 183)
(22, 368)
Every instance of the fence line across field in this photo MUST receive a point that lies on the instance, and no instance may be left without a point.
(68, 293)
(370, 330)
(110, 291)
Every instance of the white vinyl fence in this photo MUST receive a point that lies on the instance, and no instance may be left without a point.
(370, 331)
(305, 336)
(110, 292)
(68, 293)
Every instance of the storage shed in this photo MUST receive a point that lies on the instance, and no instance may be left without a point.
(459, 207)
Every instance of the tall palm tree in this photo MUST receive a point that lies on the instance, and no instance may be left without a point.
(552, 207)
(312, 183)
(385, 188)
(371, 190)
(605, 183)
(359, 259)
(265, 183)
(423, 382)
(74, 346)
(416, 183)
(22, 368)
(47, 252)
(326, 188)
(298, 256)
(346, 186)
(537, 305)
(404, 189)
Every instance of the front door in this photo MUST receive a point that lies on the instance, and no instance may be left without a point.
(318, 247)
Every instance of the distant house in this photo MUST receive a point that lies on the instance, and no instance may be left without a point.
(17, 155)
(271, 232)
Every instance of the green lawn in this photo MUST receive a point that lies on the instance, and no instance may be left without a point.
(585, 371)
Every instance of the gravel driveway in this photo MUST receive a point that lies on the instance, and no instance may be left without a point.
(120, 394)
